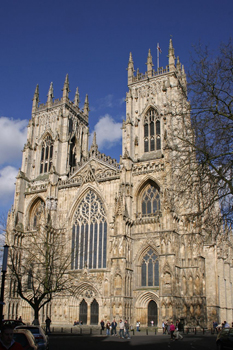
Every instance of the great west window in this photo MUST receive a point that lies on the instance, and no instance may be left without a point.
(89, 236)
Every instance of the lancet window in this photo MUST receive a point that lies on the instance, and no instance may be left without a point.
(150, 200)
(150, 269)
(36, 213)
(72, 159)
(152, 132)
(89, 236)
(46, 155)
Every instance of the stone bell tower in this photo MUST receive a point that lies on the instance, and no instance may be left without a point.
(149, 103)
(57, 141)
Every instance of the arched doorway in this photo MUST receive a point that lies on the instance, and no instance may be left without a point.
(152, 313)
(83, 312)
(94, 312)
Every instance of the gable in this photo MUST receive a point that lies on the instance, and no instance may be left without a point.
(93, 170)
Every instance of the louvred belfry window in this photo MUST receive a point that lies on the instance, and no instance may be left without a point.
(152, 137)
(46, 155)
(89, 234)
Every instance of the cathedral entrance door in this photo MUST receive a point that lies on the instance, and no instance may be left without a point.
(94, 312)
(83, 312)
(152, 313)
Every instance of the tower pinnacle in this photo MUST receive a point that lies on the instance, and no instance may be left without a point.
(35, 99)
(86, 106)
(50, 95)
(149, 65)
(66, 89)
(171, 56)
(76, 98)
(130, 69)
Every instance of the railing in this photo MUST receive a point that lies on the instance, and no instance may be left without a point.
(96, 330)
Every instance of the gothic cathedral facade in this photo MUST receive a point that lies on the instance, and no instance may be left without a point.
(131, 253)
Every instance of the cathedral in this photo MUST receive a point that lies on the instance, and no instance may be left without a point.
(133, 254)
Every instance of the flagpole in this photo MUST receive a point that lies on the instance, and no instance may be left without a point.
(157, 57)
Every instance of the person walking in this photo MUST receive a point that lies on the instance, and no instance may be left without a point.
(163, 327)
(127, 336)
(47, 323)
(138, 326)
(102, 324)
(172, 329)
(122, 326)
(108, 325)
(114, 326)
(177, 333)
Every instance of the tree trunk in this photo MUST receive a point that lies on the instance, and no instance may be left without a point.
(36, 316)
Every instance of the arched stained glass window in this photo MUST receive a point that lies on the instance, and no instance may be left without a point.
(150, 200)
(46, 155)
(36, 212)
(150, 269)
(152, 138)
(89, 235)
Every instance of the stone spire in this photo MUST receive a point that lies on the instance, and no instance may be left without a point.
(66, 89)
(171, 56)
(149, 65)
(178, 64)
(35, 99)
(76, 98)
(50, 96)
(94, 147)
(130, 69)
(86, 106)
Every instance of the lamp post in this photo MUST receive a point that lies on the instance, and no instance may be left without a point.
(4, 268)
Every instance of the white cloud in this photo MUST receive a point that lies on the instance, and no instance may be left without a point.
(108, 132)
(13, 135)
(7, 181)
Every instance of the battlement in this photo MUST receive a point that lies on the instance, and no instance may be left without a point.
(74, 105)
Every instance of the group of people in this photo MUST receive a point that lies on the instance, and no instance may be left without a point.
(172, 329)
(111, 328)
(218, 327)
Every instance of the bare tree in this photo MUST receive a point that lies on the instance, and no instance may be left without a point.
(204, 149)
(39, 263)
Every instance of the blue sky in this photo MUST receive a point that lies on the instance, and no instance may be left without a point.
(42, 41)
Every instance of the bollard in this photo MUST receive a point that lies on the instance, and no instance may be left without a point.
(61, 329)
(147, 331)
(81, 330)
(71, 330)
(195, 330)
(203, 330)
(155, 331)
(101, 331)
(90, 331)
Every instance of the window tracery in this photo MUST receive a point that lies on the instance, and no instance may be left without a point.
(152, 131)
(46, 155)
(150, 269)
(89, 236)
(150, 200)
(36, 212)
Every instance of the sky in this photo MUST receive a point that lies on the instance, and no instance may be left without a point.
(90, 40)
